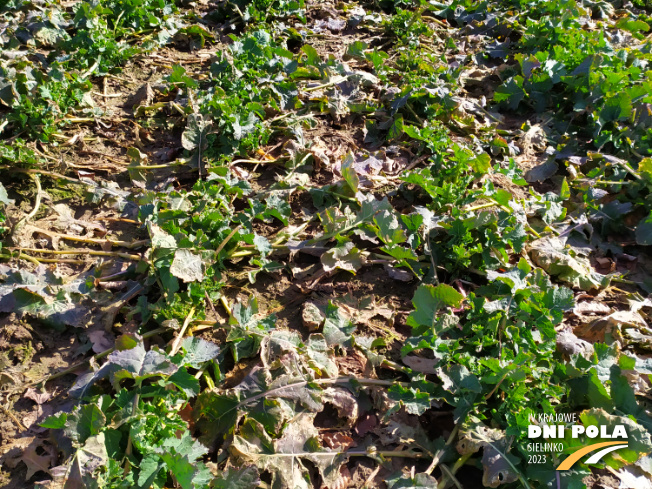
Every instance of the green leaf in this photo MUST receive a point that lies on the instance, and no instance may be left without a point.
(357, 49)
(618, 107)
(428, 300)
(413, 398)
(312, 56)
(458, 378)
(349, 174)
(481, 163)
(84, 422)
(511, 92)
(185, 381)
(564, 193)
(248, 329)
(181, 456)
(400, 253)
(137, 160)
(397, 128)
(644, 231)
(215, 415)
(150, 466)
(55, 422)
(638, 438)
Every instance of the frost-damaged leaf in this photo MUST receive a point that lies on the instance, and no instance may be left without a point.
(499, 465)
(311, 316)
(34, 461)
(242, 478)
(187, 266)
(4, 198)
(338, 327)
(135, 363)
(88, 459)
(194, 136)
(562, 262)
(248, 329)
(570, 344)
(54, 300)
(515, 278)
(420, 364)
(270, 394)
(285, 458)
(345, 257)
(160, 239)
(344, 402)
(389, 229)
(138, 160)
(419, 481)
(428, 300)
(634, 477)
(279, 208)
(335, 224)
(638, 437)
(198, 351)
(398, 274)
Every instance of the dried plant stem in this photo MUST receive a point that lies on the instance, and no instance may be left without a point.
(13, 417)
(480, 206)
(357, 453)
(451, 472)
(114, 254)
(29, 259)
(225, 305)
(440, 452)
(368, 483)
(35, 260)
(227, 239)
(31, 171)
(108, 95)
(96, 241)
(154, 167)
(258, 162)
(182, 331)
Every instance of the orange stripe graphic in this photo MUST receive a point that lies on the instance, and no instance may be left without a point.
(575, 456)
